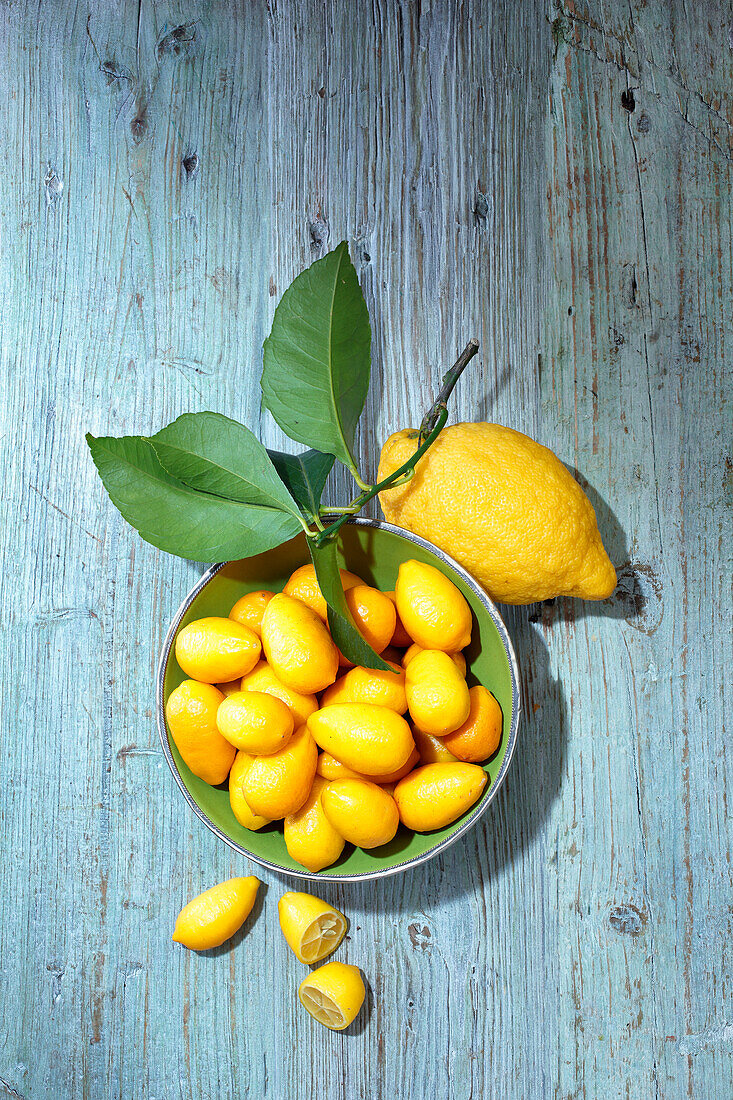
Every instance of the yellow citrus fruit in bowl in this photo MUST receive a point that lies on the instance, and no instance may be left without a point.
(370, 739)
(333, 994)
(310, 838)
(437, 694)
(435, 795)
(215, 649)
(240, 808)
(373, 553)
(458, 658)
(278, 785)
(369, 685)
(374, 615)
(434, 611)
(304, 586)
(330, 768)
(505, 508)
(214, 916)
(297, 645)
(430, 749)
(361, 812)
(249, 609)
(262, 678)
(255, 721)
(191, 713)
(480, 734)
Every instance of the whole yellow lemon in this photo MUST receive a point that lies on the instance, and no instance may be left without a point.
(503, 506)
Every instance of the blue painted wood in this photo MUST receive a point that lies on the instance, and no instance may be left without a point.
(557, 186)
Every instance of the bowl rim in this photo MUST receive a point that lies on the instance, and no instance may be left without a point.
(440, 846)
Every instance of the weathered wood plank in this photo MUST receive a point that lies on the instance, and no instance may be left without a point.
(560, 188)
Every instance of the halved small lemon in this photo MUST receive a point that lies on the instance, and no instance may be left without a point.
(333, 995)
(312, 928)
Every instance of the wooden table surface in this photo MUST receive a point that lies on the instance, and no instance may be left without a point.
(554, 180)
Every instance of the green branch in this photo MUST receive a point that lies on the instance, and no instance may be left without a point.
(431, 427)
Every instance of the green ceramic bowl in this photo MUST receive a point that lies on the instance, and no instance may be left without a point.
(374, 551)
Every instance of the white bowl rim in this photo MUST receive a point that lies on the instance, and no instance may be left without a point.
(481, 806)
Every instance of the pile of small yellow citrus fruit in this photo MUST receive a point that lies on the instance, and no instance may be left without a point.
(268, 688)
(313, 930)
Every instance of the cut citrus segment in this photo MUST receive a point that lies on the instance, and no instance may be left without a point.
(333, 995)
(313, 929)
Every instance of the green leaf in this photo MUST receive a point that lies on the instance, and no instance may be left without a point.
(343, 630)
(211, 453)
(177, 518)
(304, 476)
(315, 375)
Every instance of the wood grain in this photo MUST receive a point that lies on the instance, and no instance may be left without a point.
(557, 184)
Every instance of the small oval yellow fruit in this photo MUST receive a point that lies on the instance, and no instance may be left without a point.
(375, 617)
(432, 750)
(255, 721)
(242, 763)
(262, 678)
(191, 715)
(312, 928)
(400, 638)
(435, 795)
(437, 694)
(432, 609)
(278, 785)
(361, 812)
(331, 768)
(333, 994)
(480, 734)
(371, 740)
(214, 650)
(214, 916)
(248, 610)
(457, 658)
(298, 646)
(369, 685)
(310, 838)
(303, 585)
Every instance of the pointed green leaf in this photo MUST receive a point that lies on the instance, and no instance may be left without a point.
(315, 374)
(304, 476)
(343, 630)
(177, 518)
(211, 453)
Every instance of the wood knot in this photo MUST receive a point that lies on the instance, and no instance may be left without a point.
(319, 234)
(177, 42)
(480, 207)
(419, 936)
(627, 920)
(138, 128)
(190, 165)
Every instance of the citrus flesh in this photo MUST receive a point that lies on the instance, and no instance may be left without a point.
(333, 995)
(312, 928)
